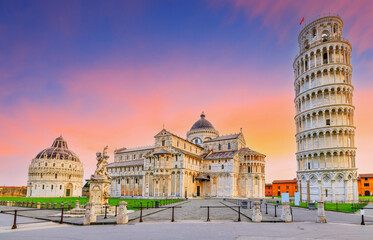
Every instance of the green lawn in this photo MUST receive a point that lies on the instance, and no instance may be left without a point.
(131, 203)
(365, 198)
(340, 207)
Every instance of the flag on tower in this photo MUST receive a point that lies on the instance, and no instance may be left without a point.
(301, 21)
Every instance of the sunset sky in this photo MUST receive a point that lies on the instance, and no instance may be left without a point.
(113, 72)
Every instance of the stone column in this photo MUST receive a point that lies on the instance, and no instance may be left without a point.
(320, 213)
(285, 213)
(122, 217)
(89, 215)
(257, 215)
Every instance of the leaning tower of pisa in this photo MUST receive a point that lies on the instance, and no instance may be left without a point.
(324, 114)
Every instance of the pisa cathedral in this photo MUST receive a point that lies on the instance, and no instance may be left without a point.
(324, 114)
(205, 164)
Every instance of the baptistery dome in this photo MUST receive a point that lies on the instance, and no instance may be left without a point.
(55, 172)
(201, 131)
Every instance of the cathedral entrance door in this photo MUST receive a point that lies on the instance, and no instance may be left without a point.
(198, 191)
(67, 192)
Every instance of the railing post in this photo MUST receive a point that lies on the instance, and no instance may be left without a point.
(15, 220)
(208, 214)
(173, 213)
(266, 208)
(275, 210)
(116, 206)
(140, 213)
(61, 221)
(105, 212)
(239, 214)
(250, 204)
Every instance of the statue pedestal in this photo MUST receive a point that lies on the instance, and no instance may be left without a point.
(99, 194)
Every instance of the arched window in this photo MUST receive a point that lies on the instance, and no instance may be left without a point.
(229, 145)
(249, 169)
(55, 176)
(60, 187)
(219, 146)
(127, 180)
(51, 187)
(43, 187)
(314, 32)
(136, 180)
(222, 166)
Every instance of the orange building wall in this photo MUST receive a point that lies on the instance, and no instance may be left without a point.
(363, 180)
(268, 191)
(284, 186)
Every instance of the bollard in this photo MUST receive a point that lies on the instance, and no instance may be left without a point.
(54, 205)
(62, 205)
(320, 213)
(61, 220)
(43, 205)
(122, 217)
(89, 215)
(140, 212)
(208, 214)
(275, 210)
(285, 213)
(38, 205)
(362, 216)
(69, 206)
(77, 204)
(49, 205)
(257, 214)
(173, 214)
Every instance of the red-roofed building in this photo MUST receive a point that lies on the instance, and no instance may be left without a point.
(365, 184)
(284, 186)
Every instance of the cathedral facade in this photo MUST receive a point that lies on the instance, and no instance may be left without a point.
(205, 164)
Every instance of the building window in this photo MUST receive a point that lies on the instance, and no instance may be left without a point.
(175, 166)
(118, 181)
(60, 187)
(366, 179)
(51, 187)
(287, 187)
(163, 142)
(41, 175)
(55, 176)
(309, 165)
(328, 122)
(209, 167)
(134, 156)
(219, 146)
(222, 166)
(136, 180)
(140, 155)
(326, 192)
(127, 157)
(54, 164)
(229, 145)
(366, 184)
(249, 169)
(43, 186)
(314, 32)
(127, 180)
(278, 187)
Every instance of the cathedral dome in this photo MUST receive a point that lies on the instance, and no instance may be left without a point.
(58, 150)
(201, 131)
(202, 123)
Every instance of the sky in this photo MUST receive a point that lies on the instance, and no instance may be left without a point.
(114, 72)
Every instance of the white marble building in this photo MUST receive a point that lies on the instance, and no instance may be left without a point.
(55, 172)
(324, 113)
(203, 164)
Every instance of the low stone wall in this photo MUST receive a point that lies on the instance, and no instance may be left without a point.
(13, 191)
